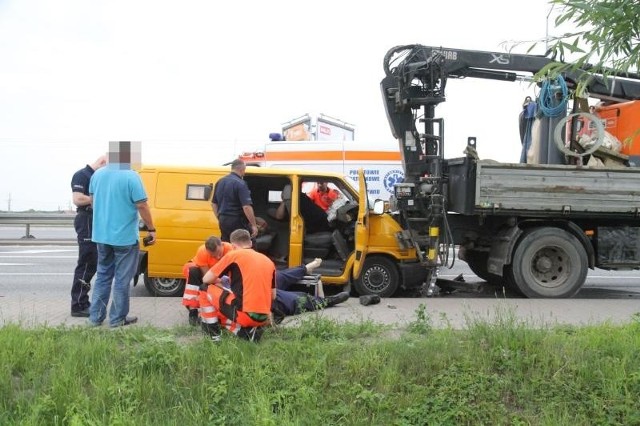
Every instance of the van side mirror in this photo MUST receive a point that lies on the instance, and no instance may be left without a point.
(378, 206)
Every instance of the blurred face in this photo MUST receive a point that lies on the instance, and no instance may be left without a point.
(322, 186)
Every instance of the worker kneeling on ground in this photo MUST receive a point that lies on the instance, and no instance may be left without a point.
(207, 255)
(244, 308)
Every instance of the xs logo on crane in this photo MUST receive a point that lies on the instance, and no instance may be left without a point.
(499, 58)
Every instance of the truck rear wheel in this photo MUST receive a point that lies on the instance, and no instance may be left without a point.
(164, 287)
(379, 276)
(549, 262)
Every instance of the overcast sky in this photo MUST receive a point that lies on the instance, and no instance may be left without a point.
(200, 81)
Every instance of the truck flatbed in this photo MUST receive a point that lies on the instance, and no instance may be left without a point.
(488, 187)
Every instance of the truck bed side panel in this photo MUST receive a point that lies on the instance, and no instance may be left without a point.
(541, 190)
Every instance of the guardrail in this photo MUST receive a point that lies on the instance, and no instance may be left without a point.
(36, 219)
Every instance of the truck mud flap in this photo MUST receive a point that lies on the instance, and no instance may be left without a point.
(501, 248)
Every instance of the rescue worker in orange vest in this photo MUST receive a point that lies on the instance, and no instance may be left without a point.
(245, 306)
(323, 196)
(206, 256)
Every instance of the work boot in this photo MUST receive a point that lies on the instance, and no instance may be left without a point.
(369, 299)
(126, 321)
(81, 313)
(193, 317)
(212, 331)
(338, 298)
(313, 265)
(252, 334)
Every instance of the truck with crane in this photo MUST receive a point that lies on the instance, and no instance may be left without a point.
(537, 226)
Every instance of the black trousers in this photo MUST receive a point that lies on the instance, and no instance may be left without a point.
(229, 223)
(87, 262)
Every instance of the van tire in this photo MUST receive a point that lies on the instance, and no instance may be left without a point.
(164, 287)
(379, 276)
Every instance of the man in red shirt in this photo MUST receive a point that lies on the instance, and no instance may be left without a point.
(244, 307)
(323, 196)
(206, 256)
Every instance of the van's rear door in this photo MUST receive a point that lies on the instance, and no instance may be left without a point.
(362, 225)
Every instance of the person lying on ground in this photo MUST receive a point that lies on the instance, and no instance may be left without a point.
(289, 303)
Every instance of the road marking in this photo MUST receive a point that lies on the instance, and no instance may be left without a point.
(40, 251)
(39, 257)
(35, 273)
(600, 277)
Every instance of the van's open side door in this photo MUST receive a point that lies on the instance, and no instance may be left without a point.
(362, 225)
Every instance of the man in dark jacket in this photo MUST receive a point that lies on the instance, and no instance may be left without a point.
(87, 251)
(232, 204)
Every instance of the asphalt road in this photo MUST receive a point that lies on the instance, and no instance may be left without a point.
(49, 268)
(42, 273)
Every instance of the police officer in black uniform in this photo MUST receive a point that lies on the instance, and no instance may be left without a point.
(232, 204)
(87, 251)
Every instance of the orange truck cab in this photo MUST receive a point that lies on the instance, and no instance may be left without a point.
(360, 249)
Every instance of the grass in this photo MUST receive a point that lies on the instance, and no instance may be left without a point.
(324, 373)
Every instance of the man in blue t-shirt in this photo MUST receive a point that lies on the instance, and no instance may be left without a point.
(118, 197)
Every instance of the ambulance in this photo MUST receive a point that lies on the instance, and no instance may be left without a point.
(381, 161)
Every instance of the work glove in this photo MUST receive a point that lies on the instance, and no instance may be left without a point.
(226, 282)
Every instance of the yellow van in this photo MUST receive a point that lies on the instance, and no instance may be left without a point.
(360, 249)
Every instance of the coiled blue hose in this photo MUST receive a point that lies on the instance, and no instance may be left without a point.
(548, 102)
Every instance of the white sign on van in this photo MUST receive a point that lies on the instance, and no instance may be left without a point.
(380, 181)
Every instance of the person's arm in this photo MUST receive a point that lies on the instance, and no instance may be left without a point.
(145, 214)
(80, 199)
(211, 278)
(248, 212)
(214, 200)
(281, 211)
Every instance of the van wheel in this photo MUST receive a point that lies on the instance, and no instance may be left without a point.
(379, 276)
(549, 262)
(164, 287)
